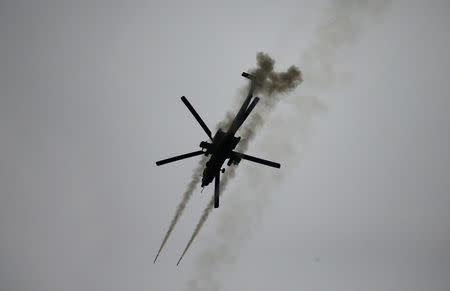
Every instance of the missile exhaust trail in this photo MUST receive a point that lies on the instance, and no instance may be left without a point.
(180, 208)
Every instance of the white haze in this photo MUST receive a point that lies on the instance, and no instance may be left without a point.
(90, 99)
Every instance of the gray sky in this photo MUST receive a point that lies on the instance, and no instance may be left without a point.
(89, 100)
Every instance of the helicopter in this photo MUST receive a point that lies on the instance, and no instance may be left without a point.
(222, 144)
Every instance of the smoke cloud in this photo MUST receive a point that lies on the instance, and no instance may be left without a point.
(273, 85)
(342, 25)
(243, 210)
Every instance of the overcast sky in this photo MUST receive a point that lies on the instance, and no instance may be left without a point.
(90, 99)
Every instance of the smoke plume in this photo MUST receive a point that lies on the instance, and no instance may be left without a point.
(270, 83)
(223, 183)
(186, 196)
(342, 26)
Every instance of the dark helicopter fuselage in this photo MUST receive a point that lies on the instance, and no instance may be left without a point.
(223, 143)
(220, 149)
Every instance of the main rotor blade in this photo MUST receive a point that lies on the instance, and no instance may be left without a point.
(257, 160)
(199, 119)
(180, 157)
(216, 190)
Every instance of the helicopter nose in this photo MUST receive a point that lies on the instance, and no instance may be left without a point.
(206, 180)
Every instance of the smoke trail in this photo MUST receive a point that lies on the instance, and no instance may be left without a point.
(244, 210)
(341, 26)
(268, 82)
(186, 196)
(223, 183)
